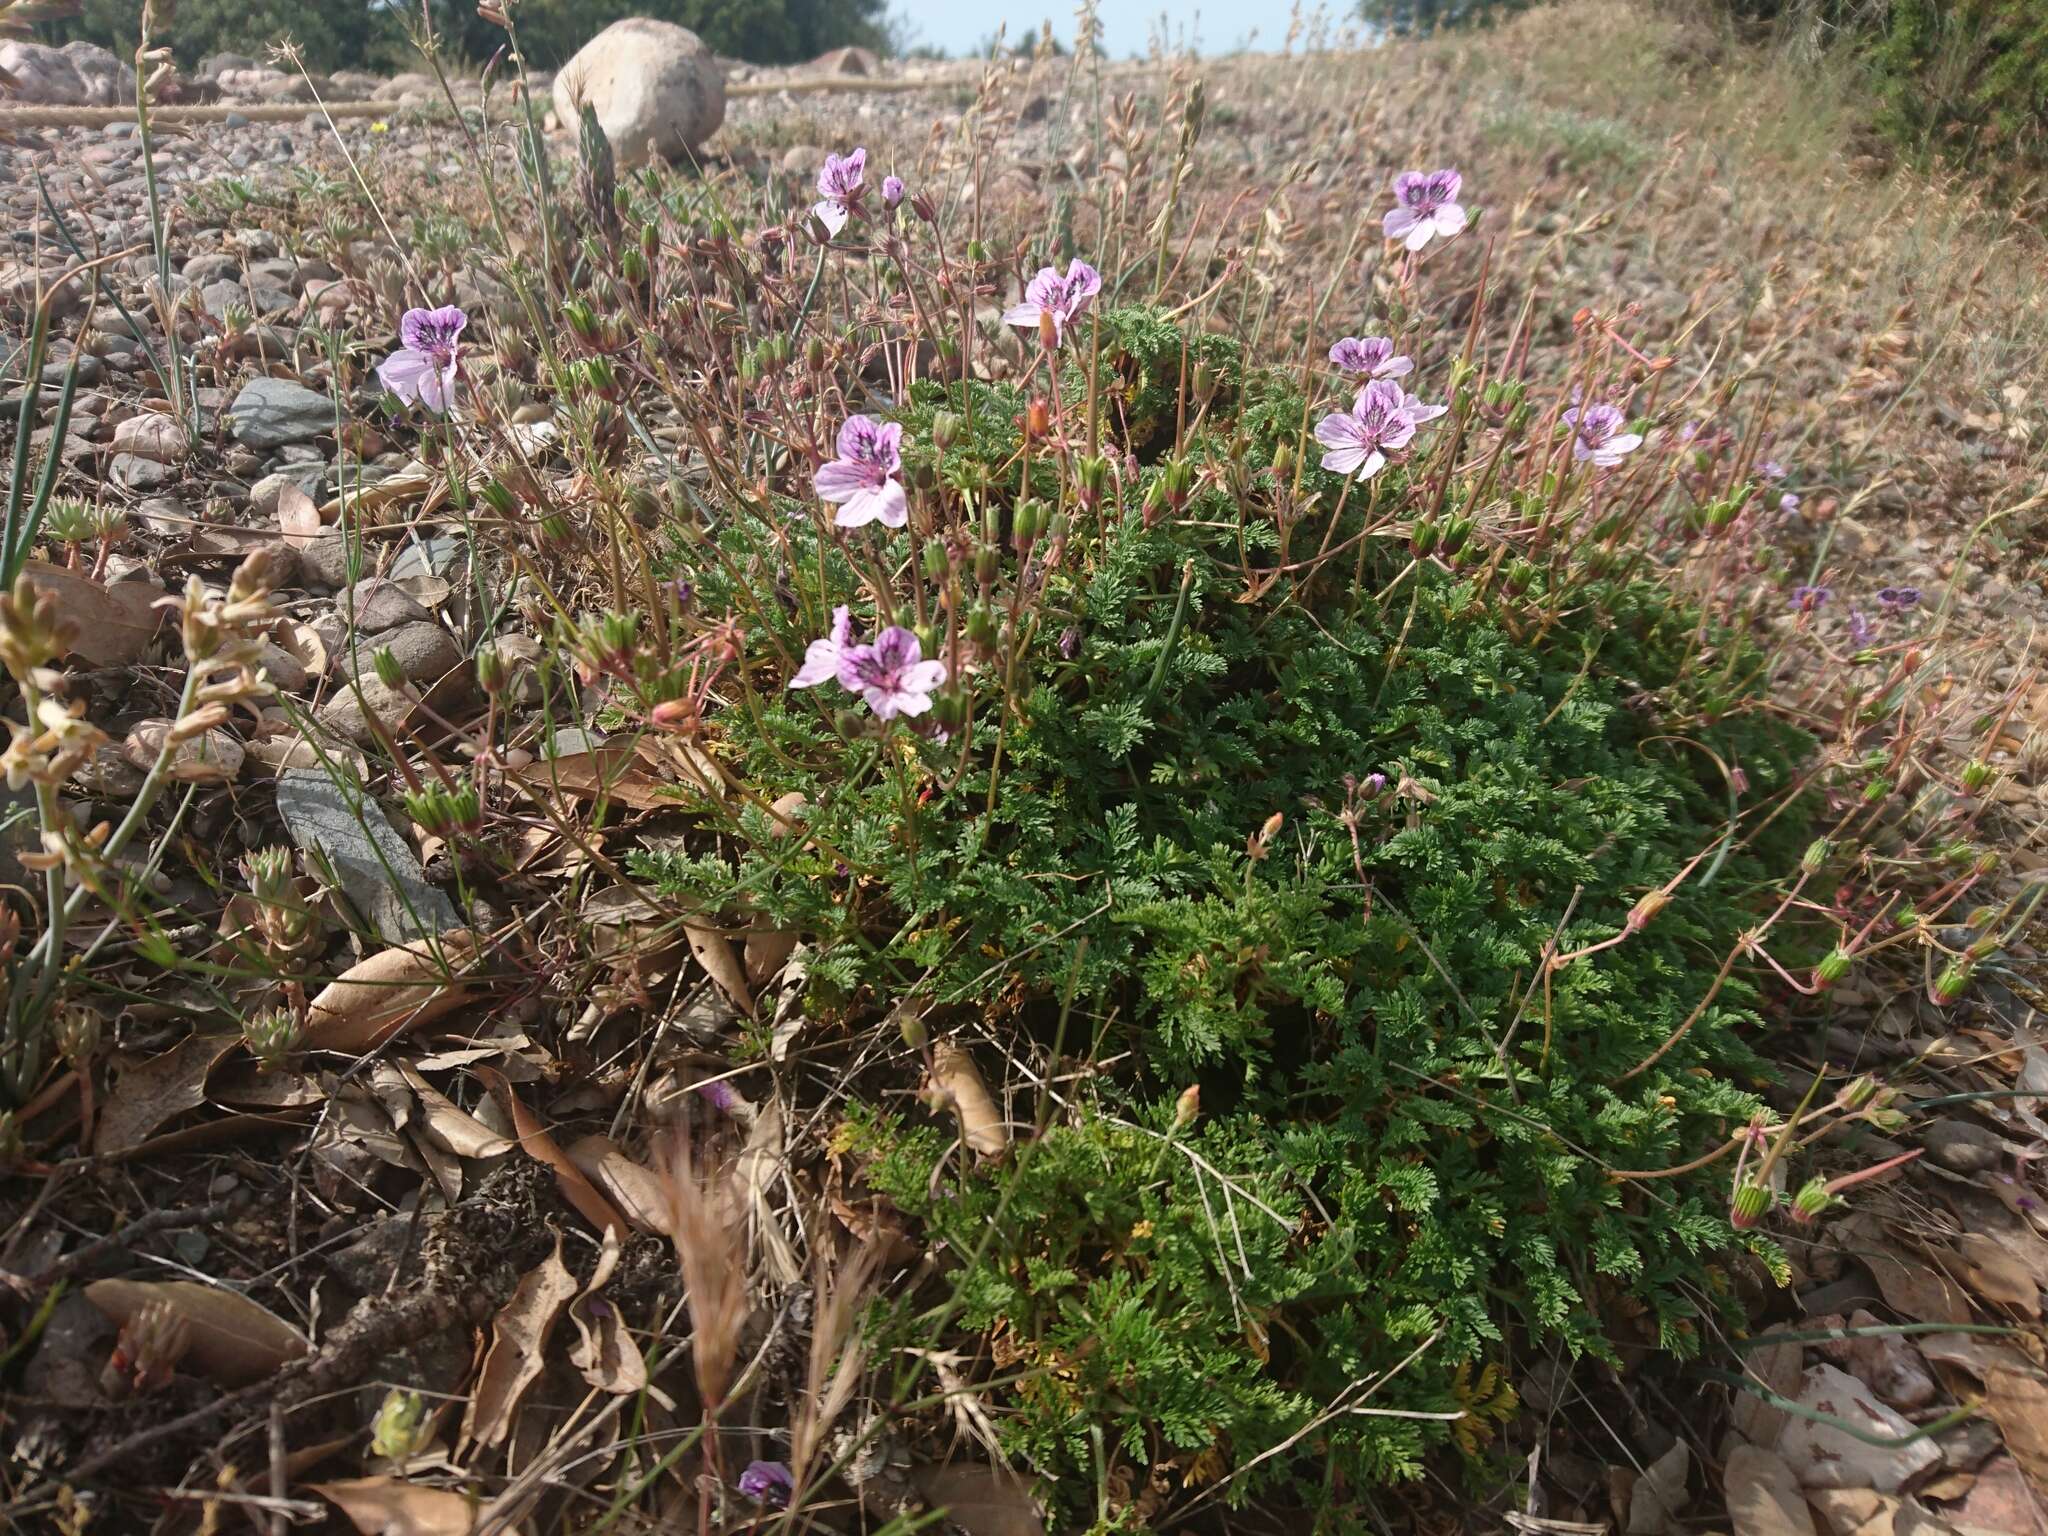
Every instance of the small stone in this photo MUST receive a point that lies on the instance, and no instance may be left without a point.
(212, 757)
(269, 413)
(151, 436)
(377, 603)
(134, 473)
(376, 870)
(424, 651)
(265, 493)
(655, 87)
(235, 120)
(1962, 1147)
(1891, 1366)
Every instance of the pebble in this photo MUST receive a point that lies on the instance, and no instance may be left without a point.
(270, 413)
(1961, 1147)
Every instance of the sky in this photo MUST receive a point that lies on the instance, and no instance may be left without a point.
(1213, 26)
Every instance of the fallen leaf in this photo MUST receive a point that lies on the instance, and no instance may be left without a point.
(956, 1083)
(1912, 1283)
(542, 1148)
(637, 1191)
(767, 949)
(298, 516)
(1660, 1494)
(112, 624)
(759, 1169)
(390, 1506)
(519, 1341)
(452, 1126)
(613, 772)
(981, 1500)
(1999, 1500)
(2018, 1401)
(369, 1002)
(1778, 1367)
(1763, 1495)
(604, 1352)
(1972, 1353)
(714, 952)
(147, 1093)
(1997, 1275)
(235, 1341)
(211, 757)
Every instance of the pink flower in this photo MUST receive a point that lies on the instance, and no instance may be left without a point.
(821, 657)
(862, 479)
(892, 674)
(1357, 438)
(1061, 297)
(839, 188)
(1370, 357)
(1425, 208)
(1597, 434)
(422, 371)
(1414, 408)
(892, 191)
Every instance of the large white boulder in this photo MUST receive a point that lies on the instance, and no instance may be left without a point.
(655, 87)
(76, 75)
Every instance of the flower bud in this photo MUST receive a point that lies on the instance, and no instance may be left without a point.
(389, 672)
(493, 670)
(981, 626)
(1812, 1199)
(938, 562)
(1976, 774)
(1860, 1092)
(946, 429)
(814, 354)
(1953, 982)
(1640, 915)
(1832, 968)
(1747, 1207)
(922, 206)
(1422, 538)
(1816, 855)
(987, 561)
(910, 1025)
(1187, 1106)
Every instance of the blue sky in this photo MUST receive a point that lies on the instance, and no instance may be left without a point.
(1215, 26)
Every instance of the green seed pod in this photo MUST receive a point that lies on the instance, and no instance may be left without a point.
(1816, 855)
(1747, 1207)
(1876, 790)
(987, 561)
(946, 429)
(1422, 538)
(1953, 982)
(1813, 1198)
(1832, 968)
(981, 626)
(938, 562)
(1976, 774)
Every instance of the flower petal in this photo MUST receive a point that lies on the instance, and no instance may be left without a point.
(832, 215)
(1025, 314)
(842, 481)
(402, 372)
(821, 664)
(1400, 223)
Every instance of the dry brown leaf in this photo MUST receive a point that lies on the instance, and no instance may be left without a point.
(298, 516)
(390, 1506)
(450, 1125)
(518, 1353)
(613, 772)
(542, 1148)
(957, 1082)
(768, 949)
(637, 1191)
(235, 1342)
(111, 624)
(410, 481)
(981, 1500)
(714, 952)
(759, 1169)
(1763, 1496)
(1998, 1275)
(211, 757)
(604, 1352)
(1912, 1283)
(147, 1093)
(2018, 1402)
(372, 1000)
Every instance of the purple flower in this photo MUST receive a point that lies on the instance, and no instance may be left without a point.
(1356, 439)
(1598, 436)
(1369, 357)
(1418, 411)
(892, 674)
(862, 480)
(1061, 297)
(1899, 599)
(719, 1095)
(892, 191)
(839, 187)
(1788, 503)
(1771, 470)
(422, 370)
(1808, 599)
(821, 657)
(767, 1482)
(1425, 208)
(1859, 628)
(1372, 785)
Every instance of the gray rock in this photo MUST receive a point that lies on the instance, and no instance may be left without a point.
(211, 267)
(378, 603)
(348, 831)
(323, 562)
(425, 653)
(133, 472)
(269, 413)
(656, 89)
(264, 494)
(235, 120)
(221, 296)
(1962, 1147)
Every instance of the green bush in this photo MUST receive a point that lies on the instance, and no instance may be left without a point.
(1401, 1159)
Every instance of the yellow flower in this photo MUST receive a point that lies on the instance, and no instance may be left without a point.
(380, 126)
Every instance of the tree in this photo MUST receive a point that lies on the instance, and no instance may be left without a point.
(1404, 18)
